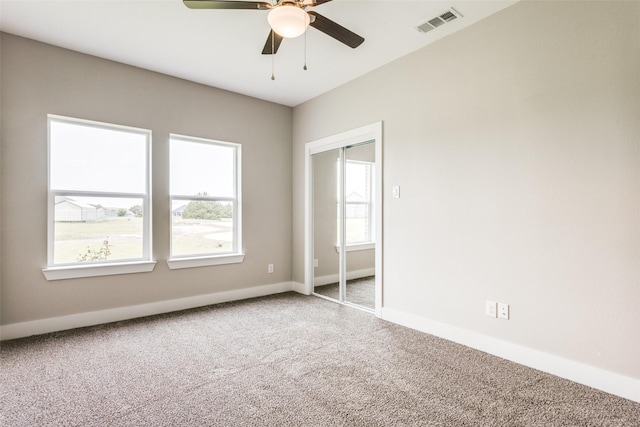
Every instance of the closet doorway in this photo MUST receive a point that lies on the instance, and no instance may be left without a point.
(343, 218)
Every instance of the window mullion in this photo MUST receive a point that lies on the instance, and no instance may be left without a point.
(59, 192)
(211, 198)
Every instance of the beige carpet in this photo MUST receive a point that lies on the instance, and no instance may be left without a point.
(284, 360)
(361, 291)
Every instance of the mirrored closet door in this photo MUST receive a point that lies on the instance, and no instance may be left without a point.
(344, 224)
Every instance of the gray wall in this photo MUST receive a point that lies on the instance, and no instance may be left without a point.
(516, 146)
(39, 79)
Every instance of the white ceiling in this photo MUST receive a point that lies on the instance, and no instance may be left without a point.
(222, 48)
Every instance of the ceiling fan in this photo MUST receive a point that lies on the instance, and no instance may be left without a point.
(287, 18)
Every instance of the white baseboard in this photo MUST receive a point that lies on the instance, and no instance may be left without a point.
(300, 288)
(354, 274)
(600, 379)
(44, 326)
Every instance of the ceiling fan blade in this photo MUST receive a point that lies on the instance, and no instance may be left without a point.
(223, 4)
(336, 31)
(313, 3)
(269, 45)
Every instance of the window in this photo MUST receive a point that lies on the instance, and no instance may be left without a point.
(98, 204)
(205, 202)
(358, 202)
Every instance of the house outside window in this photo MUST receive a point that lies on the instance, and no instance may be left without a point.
(99, 199)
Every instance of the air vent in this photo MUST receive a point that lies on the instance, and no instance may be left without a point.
(436, 22)
(448, 16)
(439, 20)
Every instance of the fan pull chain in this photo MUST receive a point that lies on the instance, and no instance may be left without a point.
(305, 51)
(273, 56)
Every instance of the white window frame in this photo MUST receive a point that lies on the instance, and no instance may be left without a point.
(108, 267)
(370, 242)
(202, 260)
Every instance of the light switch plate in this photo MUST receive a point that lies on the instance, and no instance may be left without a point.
(396, 192)
(490, 308)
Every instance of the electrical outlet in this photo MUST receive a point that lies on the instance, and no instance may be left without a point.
(503, 311)
(270, 268)
(490, 308)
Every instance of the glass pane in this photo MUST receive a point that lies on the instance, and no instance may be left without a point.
(357, 182)
(88, 229)
(360, 263)
(357, 223)
(199, 168)
(89, 158)
(358, 194)
(201, 227)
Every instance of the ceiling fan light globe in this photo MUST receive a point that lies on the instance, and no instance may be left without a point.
(288, 21)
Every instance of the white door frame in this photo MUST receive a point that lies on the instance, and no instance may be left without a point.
(371, 132)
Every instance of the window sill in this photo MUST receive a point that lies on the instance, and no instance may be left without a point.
(80, 271)
(358, 247)
(178, 263)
